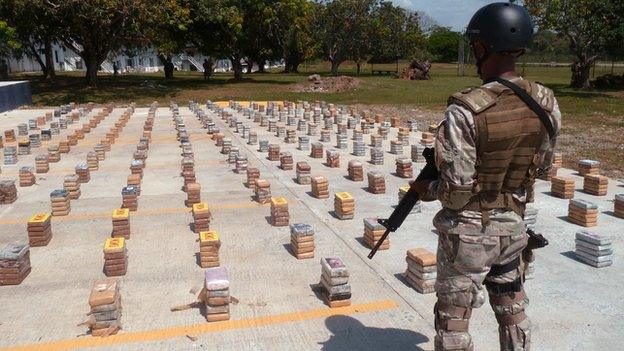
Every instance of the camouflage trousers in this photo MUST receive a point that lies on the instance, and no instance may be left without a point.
(464, 262)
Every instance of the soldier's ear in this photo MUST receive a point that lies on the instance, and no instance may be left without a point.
(479, 50)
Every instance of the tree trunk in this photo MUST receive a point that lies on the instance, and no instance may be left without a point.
(580, 74)
(249, 66)
(35, 53)
(334, 67)
(93, 65)
(237, 67)
(49, 61)
(358, 68)
(4, 69)
(261, 64)
(287, 64)
(295, 66)
(167, 61)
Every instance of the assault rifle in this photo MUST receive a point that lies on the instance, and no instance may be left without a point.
(429, 172)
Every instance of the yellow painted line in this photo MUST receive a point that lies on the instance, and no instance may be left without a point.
(139, 213)
(118, 168)
(204, 328)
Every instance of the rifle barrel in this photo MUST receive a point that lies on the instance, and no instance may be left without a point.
(378, 245)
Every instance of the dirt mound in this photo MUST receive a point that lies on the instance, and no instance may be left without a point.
(318, 84)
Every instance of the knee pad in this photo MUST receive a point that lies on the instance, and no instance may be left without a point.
(509, 307)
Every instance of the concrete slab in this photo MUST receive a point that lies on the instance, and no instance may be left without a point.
(573, 306)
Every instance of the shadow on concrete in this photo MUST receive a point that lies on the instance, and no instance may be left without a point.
(571, 255)
(290, 249)
(317, 289)
(565, 219)
(197, 259)
(401, 277)
(349, 333)
(610, 213)
(360, 239)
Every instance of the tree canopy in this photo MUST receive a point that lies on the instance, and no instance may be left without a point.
(443, 44)
(590, 26)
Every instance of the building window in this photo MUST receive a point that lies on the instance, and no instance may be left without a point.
(129, 62)
(56, 56)
(151, 62)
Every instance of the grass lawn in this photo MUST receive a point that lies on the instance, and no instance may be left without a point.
(593, 120)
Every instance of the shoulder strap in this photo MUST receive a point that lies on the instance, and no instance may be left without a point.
(531, 103)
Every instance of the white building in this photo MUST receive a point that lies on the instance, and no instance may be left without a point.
(144, 60)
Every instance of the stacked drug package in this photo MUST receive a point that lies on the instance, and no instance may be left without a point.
(344, 205)
(115, 257)
(421, 270)
(530, 216)
(121, 223)
(105, 303)
(14, 263)
(335, 286)
(376, 182)
(618, 207)
(279, 212)
(39, 229)
(217, 290)
(320, 187)
(583, 213)
(373, 231)
(302, 240)
(562, 187)
(594, 249)
(263, 191)
(303, 173)
(201, 217)
(356, 171)
(209, 244)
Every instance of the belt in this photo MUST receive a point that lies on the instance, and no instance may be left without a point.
(485, 204)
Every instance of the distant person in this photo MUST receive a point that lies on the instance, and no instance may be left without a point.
(115, 69)
(494, 141)
(207, 69)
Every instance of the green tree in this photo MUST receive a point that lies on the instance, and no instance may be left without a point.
(587, 24)
(8, 43)
(97, 27)
(165, 25)
(396, 33)
(443, 44)
(218, 30)
(38, 25)
(344, 28)
(291, 32)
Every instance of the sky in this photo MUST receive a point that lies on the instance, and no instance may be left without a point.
(448, 13)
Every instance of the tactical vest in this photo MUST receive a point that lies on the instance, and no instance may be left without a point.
(508, 139)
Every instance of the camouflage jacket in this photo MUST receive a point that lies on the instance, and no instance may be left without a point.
(456, 157)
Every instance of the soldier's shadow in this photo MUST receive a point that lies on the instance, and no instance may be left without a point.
(349, 333)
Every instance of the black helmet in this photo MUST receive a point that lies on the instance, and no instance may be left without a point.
(501, 27)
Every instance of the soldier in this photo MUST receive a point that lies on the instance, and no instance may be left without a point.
(493, 142)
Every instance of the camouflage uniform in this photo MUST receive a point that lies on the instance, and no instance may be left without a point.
(467, 249)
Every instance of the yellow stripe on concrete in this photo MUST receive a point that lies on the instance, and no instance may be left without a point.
(139, 213)
(118, 168)
(203, 328)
